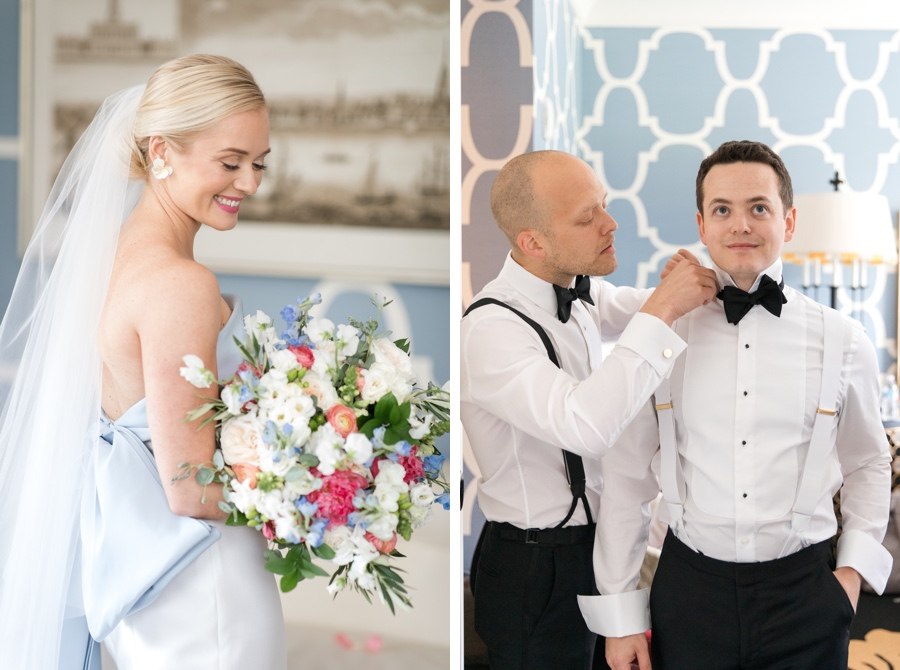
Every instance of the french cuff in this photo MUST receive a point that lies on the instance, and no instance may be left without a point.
(617, 614)
(651, 339)
(868, 557)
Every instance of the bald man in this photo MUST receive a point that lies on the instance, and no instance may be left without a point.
(534, 383)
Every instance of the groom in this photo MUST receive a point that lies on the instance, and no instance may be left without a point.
(772, 411)
(534, 382)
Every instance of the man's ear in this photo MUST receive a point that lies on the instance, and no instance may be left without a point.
(701, 230)
(790, 220)
(530, 243)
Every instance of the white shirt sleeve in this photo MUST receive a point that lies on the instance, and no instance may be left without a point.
(866, 468)
(629, 486)
(506, 371)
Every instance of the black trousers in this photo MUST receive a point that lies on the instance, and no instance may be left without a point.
(525, 589)
(786, 614)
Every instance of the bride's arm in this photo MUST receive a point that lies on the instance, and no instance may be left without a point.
(182, 315)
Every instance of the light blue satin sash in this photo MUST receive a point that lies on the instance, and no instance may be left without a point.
(132, 544)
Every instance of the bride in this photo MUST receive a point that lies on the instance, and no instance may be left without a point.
(100, 540)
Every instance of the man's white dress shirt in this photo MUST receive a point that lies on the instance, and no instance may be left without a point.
(744, 398)
(519, 410)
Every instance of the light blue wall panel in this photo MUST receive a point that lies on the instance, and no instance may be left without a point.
(654, 102)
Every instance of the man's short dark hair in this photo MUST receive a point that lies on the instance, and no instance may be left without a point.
(746, 151)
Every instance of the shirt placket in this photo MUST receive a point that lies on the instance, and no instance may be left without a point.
(744, 441)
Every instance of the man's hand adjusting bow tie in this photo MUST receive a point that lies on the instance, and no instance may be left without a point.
(566, 296)
(738, 302)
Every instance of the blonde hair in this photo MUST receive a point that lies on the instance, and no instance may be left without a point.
(186, 96)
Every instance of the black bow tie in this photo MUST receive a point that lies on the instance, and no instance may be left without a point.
(566, 296)
(738, 302)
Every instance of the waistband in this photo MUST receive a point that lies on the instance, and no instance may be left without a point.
(543, 536)
(808, 557)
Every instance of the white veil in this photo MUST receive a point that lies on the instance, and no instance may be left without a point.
(51, 408)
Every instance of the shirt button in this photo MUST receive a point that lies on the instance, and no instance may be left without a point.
(743, 442)
(745, 392)
(667, 353)
(744, 495)
(746, 346)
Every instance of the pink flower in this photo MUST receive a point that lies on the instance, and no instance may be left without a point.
(342, 419)
(268, 530)
(383, 546)
(304, 354)
(415, 470)
(335, 498)
(374, 644)
(360, 380)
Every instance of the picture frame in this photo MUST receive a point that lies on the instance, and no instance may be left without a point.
(56, 66)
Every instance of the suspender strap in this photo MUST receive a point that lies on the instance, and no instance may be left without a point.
(809, 487)
(821, 441)
(671, 476)
(574, 464)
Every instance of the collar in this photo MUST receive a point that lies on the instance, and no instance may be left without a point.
(774, 271)
(531, 287)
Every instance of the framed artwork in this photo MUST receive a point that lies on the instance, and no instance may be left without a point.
(358, 186)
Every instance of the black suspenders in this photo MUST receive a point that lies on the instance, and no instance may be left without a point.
(574, 464)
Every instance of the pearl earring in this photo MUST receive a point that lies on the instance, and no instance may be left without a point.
(160, 170)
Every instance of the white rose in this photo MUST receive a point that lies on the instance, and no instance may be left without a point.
(390, 354)
(339, 539)
(358, 448)
(377, 382)
(241, 439)
(421, 494)
(401, 389)
(195, 373)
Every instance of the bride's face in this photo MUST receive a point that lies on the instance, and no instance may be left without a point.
(219, 168)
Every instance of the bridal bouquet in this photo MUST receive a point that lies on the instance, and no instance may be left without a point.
(326, 446)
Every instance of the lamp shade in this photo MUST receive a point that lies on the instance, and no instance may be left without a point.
(843, 226)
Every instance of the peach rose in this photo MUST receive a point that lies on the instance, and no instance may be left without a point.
(383, 546)
(342, 419)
